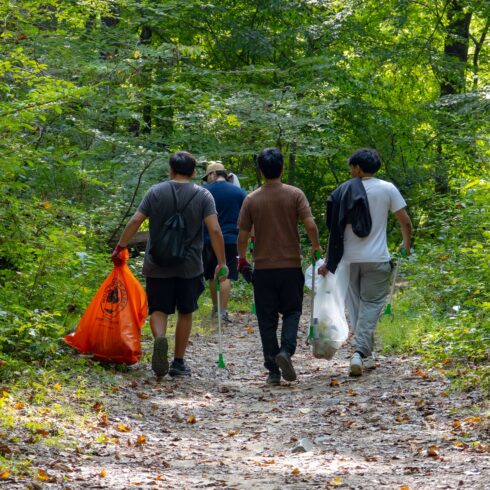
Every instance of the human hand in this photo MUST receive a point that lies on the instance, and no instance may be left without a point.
(322, 270)
(245, 269)
(221, 272)
(316, 254)
(404, 250)
(116, 260)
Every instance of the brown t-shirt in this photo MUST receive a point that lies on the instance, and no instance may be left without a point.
(274, 211)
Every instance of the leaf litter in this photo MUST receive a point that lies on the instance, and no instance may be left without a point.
(386, 429)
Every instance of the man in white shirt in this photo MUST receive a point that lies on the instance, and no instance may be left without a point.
(369, 259)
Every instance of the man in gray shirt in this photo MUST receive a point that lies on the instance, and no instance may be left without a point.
(177, 286)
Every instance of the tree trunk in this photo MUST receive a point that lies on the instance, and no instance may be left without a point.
(456, 44)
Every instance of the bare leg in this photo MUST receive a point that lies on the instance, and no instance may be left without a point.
(158, 323)
(225, 288)
(182, 333)
(212, 288)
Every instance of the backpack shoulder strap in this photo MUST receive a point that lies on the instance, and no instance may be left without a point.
(188, 202)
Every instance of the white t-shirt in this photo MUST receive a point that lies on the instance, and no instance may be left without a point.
(382, 197)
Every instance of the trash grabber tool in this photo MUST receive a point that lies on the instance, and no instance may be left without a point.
(221, 361)
(389, 306)
(311, 330)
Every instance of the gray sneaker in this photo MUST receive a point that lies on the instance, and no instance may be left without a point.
(355, 365)
(225, 318)
(159, 360)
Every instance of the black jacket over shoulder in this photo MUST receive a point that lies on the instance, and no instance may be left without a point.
(348, 204)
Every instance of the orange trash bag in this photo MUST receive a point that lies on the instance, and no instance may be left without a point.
(110, 328)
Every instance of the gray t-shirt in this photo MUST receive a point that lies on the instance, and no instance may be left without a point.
(158, 205)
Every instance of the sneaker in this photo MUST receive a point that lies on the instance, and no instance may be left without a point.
(179, 369)
(273, 378)
(283, 360)
(159, 361)
(369, 362)
(356, 365)
(225, 318)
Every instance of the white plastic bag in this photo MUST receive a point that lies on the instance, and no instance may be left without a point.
(330, 324)
(309, 275)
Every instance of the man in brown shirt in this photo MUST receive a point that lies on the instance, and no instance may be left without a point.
(274, 211)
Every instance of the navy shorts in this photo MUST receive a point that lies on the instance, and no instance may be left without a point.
(210, 262)
(171, 293)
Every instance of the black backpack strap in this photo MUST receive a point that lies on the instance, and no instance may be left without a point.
(188, 202)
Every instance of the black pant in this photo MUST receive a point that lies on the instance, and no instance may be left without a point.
(278, 291)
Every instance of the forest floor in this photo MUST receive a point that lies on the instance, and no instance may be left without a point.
(397, 427)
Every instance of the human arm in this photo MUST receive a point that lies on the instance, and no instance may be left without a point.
(244, 266)
(312, 232)
(130, 229)
(217, 242)
(406, 228)
(242, 243)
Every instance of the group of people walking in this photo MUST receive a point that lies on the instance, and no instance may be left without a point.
(357, 213)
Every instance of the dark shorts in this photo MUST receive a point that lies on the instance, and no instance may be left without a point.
(167, 294)
(210, 262)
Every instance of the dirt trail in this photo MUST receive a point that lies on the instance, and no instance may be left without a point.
(396, 427)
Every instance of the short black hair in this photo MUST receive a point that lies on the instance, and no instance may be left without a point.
(222, 173)
(183, 163)
(270, 163)
(367, 159)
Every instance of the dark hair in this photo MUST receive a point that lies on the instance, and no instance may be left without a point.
(270, 163)
(183, 163)
(367, 159)
(221, 173)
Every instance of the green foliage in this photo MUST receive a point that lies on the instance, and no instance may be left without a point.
(444, 311)
(95, 95)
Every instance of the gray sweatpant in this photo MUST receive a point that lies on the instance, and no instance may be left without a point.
(369, 285)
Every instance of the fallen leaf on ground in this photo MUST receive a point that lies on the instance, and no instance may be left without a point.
(140, 440)
(421, 373)
(336, 481)
(123, 428)
(19, 406)
(334, 382)
(42, 475)
(143, 396)
(250, 330)
(97, 406)
(4, 475)
(296, 471)
(103, 473)
(405, 487)
(191, 419)
(232, 433)
(433, 451)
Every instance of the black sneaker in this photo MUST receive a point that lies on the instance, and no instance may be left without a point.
(273, 378)
(179, 369)
(159, 361)
(283, 360)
